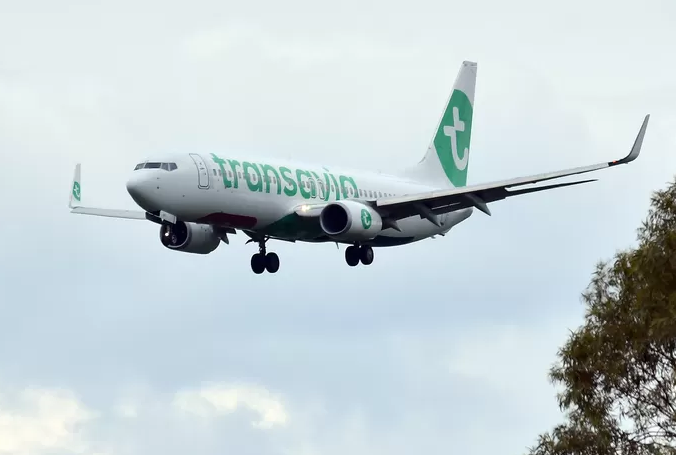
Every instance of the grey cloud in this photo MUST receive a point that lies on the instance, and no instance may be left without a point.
(371, 360)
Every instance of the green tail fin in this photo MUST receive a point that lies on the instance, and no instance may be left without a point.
(447, 159)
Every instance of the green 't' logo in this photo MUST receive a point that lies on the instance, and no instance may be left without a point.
(365, 218)
(453, 138)
(76, 191)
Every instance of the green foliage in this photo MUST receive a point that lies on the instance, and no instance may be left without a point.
(618, 370)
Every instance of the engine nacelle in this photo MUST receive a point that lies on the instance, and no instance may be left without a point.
(350, 221)
(189, 237)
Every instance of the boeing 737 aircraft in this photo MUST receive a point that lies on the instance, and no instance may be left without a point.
(199, 198)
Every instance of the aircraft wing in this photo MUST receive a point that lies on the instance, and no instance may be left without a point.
(76, 197)
(443, 201)
(111, 213)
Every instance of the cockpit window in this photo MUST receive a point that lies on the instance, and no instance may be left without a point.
(155, 165)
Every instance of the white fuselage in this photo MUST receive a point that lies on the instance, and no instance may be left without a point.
(200, 199)
(260, 195)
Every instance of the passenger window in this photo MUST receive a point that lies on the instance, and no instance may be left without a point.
(215, 172)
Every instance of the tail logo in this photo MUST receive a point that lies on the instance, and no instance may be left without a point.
(76, 191)
(365, 218)
(451, 131)
(452, 140)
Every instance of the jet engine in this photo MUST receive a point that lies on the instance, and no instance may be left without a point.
(350, 221)
(189, 237)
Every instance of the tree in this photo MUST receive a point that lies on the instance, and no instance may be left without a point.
(618, 370)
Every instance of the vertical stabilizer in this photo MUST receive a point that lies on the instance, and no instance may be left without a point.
(447, 158)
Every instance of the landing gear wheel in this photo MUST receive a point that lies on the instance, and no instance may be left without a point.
(366, 255)
(352, 255)
(272, 262)
(258, 263)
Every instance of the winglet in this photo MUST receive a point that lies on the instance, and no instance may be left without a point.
(636, 148)
(75, 189)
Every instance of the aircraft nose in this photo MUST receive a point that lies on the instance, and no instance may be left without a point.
(139, 188)
(134, 187)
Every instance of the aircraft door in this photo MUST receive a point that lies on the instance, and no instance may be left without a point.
(202, 171)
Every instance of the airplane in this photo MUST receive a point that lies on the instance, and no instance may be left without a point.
(199, 198)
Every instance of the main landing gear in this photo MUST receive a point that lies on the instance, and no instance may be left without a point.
(356, 253)
(262, 261)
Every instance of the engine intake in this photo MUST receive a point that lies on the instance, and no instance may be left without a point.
(350, 221)
(189, 237)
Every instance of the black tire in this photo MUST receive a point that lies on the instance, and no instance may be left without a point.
(258, 263)
(352, 255)
(272, 262)
(366, 255)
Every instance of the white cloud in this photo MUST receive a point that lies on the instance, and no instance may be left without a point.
(39, 420)
(218, 399)
(308, 82)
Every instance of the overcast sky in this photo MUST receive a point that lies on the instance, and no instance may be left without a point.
(112, 344)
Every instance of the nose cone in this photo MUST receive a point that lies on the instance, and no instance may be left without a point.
(140, 188)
